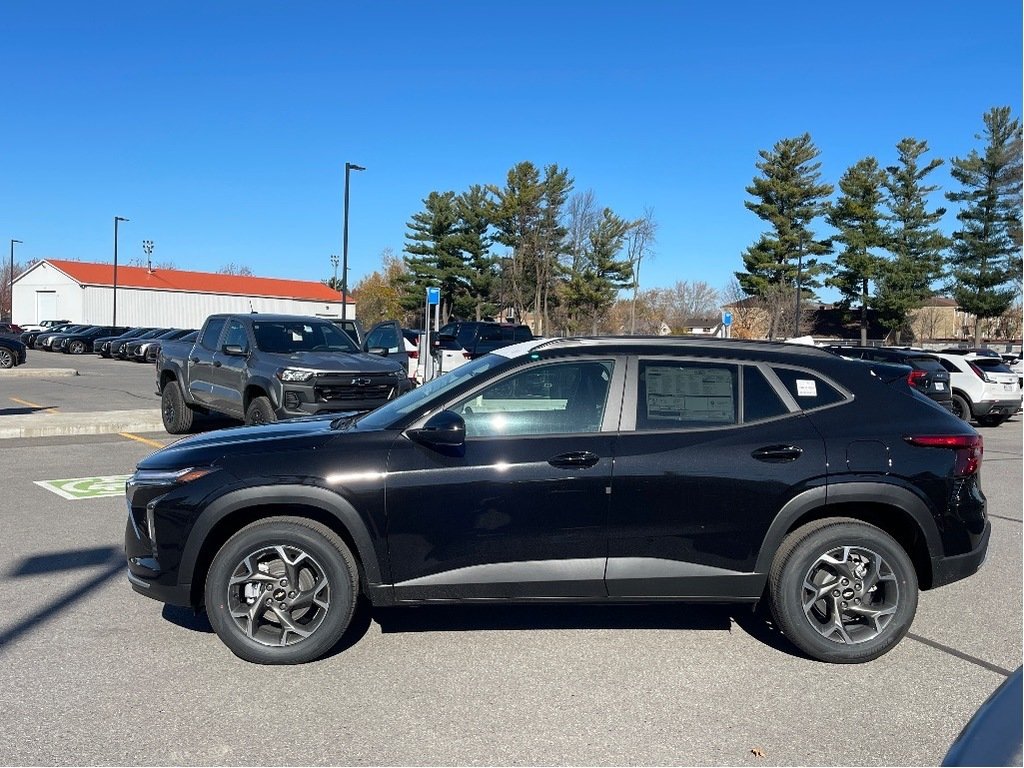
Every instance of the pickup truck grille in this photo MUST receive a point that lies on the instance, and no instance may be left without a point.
(330, 393)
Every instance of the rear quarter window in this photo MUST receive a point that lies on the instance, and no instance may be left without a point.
(808, 389)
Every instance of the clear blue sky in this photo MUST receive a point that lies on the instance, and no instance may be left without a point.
(221, 129)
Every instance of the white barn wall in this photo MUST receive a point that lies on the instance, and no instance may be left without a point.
(182, 309)
(44, 277)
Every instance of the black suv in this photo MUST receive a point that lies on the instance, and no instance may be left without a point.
(742, 471)
(927, 373)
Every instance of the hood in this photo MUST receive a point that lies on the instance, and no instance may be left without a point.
(341, 362)
(205, 449)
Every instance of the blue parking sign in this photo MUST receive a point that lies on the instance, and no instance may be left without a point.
(727, 318)
(433, 296)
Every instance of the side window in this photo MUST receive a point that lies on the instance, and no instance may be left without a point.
(808, 390)
(236, 336)
(760, 400)
(948, 365)
(490, 333)
(685, 395)
(559, 398)
(522, 333)
(212, 333)
(386, 336)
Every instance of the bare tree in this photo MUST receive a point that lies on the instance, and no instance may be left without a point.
(640, 245)
(235, 269)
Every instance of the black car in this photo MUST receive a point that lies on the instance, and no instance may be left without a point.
(80, 342)
(742, 471)
(12, 352)
(32, 338)
(119, 349)
(101, 346)
(139, 349)
(927, 373)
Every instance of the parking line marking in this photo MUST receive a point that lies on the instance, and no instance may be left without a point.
(75, 488)
(960, 654)
(139, 439)
(46, 409)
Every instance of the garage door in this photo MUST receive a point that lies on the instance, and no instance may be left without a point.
(46, 305)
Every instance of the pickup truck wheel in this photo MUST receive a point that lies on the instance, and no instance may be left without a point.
(260, 412)
(843, 591)
(282, 591)
(176, 414)
(961, 407)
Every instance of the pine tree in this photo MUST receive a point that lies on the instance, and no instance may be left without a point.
(474, 240)
(591, 288)
(435, 258)
(789, 197)
(916, 244)
(858, 219)
(985, 262)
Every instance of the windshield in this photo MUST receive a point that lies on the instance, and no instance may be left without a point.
(286, 337)
(388, 414)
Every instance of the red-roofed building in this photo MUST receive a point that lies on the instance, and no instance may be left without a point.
(84, 293)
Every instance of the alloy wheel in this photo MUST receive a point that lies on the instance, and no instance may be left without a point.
(850, 594)
(278, 595)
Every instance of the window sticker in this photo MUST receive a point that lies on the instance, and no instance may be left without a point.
(806, 388)
(689, 394)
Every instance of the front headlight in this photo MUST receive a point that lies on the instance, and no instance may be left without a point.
(295, 374)
(168, 476)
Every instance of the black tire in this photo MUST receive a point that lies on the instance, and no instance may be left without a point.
(6, 358)
(992, 421)
(273, 633)
(886, 587)
(174, 411)
(76, 347)
(260, 412)
(961, 407)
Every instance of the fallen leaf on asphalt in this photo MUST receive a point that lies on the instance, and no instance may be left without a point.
(757, 752)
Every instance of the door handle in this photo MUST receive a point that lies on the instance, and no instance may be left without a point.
(574, 460)
(216, 363)
(778, 453)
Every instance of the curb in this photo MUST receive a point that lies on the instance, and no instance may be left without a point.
(36, 373)
(55, 423)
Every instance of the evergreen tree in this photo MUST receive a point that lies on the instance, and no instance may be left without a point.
(435, 258)
(916, 244)
(789, 196)
(473, 238)
(591, 289)
(985, 262)
(856, 216)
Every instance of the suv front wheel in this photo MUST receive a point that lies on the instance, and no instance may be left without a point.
(282, 591)
(842, 591)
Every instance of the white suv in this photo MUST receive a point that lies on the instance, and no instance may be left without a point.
(984, 389)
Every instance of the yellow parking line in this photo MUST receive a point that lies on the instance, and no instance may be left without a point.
(145, 440)
(46, 409)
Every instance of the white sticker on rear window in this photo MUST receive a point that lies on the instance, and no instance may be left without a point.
(806, 388)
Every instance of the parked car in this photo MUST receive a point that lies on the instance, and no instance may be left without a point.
(32, 337)
(81, 342)
(353, 328)
(927, 373)
(994, 735)
(984, 389)
(152, 349)
(262, 368)
(101, 346)
(120, 348)
(10, 329)
(46, 341)
(139, 350)
(742, 471)
(389, 339)
(12, 352)
(45, 325)
(461, 341)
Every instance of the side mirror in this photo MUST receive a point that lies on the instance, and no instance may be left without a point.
(380, 351)
(234, 350)
(445, 429)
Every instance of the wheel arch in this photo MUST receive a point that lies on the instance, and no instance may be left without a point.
(232, 512)
(894, 509)
(256, 388)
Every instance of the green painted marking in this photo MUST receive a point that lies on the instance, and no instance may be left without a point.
(86, 487)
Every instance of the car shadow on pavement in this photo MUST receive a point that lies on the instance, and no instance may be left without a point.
(24, 410)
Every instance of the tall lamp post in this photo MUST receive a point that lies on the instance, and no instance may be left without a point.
(334, 262)
(11, 318)
(799, 270)
(344, 245)
(147, 248)
(117, 220)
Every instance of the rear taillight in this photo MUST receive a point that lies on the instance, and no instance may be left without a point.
(916, 378)
(981, 374)
(969, 450)
(467, 355)
(415, 354)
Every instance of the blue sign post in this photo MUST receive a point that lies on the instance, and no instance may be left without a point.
(433, 300)
(433, 296)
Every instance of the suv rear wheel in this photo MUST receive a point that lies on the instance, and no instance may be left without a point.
(843, 591)
(282, 591)
(961, 407)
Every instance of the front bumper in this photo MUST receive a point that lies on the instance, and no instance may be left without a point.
(145, 574)
(947, 569)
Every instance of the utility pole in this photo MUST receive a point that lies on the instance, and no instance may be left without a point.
(117, 220)
(344, 244)
(10, 319)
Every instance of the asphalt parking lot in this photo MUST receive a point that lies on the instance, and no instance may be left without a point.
(93, 673)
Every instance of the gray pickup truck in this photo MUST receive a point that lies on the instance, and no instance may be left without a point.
(262, 368)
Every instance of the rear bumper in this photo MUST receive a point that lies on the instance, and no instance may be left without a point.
(947, 569)
(1006, 407)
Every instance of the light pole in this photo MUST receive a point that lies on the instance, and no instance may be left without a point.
(147, 248)
(799, 269)
(344, 245)
(117, 220)
(334, 261)
(11, 318)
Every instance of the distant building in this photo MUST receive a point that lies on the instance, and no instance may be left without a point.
(84, 293)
